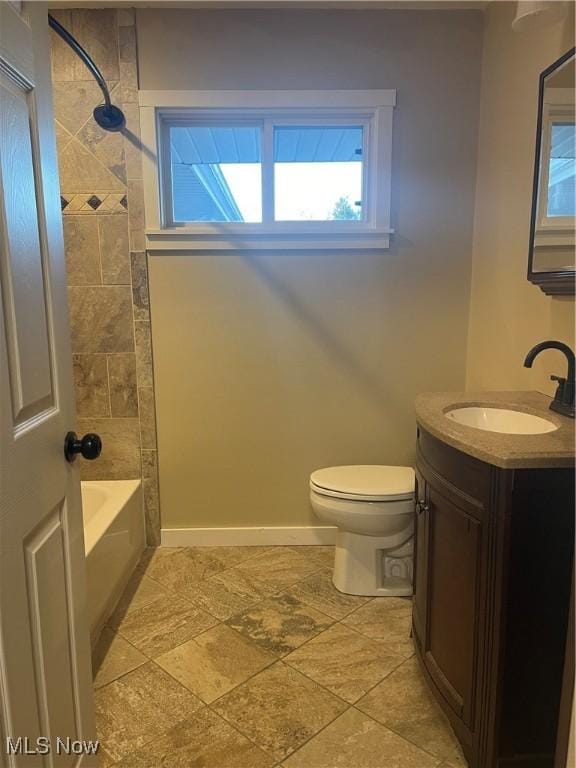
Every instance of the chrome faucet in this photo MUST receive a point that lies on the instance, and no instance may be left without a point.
(563, 401)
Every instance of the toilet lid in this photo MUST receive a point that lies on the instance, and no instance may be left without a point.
(370, 482)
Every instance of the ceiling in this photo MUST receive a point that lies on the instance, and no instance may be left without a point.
(292, 144)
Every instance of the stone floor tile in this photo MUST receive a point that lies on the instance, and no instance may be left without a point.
(231, 556)
(323, 554)
(105, 760)
(388, 619)
(345, 662)
(319, 592)
(215, 662)
(163, 624)
(279, 709)
(140, 707)
(275, 601)
(113, 657)
(356, 740)
(280, 567)
(202, 741)
(280, 624)
(182, 568)
(404, 703)
(152, 556)
(229, 593)
(139, 592)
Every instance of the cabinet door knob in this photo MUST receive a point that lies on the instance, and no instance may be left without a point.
(421, 506)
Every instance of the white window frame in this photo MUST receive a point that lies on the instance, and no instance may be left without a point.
(371, 109)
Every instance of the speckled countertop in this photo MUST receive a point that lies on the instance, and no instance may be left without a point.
(552, 449)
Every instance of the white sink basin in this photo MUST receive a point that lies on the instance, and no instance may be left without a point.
(501, 420)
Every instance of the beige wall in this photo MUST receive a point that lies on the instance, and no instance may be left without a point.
(101, 196)
(270, 365)
(508, 315)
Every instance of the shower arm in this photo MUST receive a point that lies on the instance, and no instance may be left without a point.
(107, 115)
(77, 48)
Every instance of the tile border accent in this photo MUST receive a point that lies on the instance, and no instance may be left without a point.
(93, 202)
(283, 536)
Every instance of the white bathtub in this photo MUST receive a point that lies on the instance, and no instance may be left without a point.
(114, 539)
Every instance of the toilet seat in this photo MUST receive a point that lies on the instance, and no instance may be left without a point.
(368, 482)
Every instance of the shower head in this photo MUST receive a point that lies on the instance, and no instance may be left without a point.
(108, 117)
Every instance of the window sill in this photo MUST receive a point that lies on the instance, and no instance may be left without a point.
(204, 239)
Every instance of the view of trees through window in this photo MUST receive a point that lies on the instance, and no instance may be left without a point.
(344, 210)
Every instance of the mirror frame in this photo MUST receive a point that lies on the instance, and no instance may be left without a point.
(554, 282)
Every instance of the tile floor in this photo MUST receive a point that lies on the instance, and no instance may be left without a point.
(247, 657)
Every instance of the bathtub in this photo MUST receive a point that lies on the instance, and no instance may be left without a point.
(114, 539)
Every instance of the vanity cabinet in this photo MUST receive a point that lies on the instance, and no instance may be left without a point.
(492, 578)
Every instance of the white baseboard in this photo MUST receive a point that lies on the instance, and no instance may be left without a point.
(253, 536)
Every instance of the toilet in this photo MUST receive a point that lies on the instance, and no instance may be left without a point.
(373, 508)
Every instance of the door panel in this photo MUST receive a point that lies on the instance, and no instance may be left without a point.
(47, 572)
(45, 676)
(454, 577)
(23, 298)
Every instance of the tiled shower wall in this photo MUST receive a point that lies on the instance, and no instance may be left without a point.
(102, 208)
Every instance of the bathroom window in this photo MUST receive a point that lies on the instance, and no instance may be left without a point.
(215, 173)
(561, 197)
(318, 172)
(554, 224)
(274, 170)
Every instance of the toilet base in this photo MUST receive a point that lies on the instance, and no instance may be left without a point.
(369, 566)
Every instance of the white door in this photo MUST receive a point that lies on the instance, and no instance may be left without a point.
(45, 677)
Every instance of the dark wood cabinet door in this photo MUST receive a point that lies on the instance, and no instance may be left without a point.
(490, 630)
(420, 562)
(452, 599)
